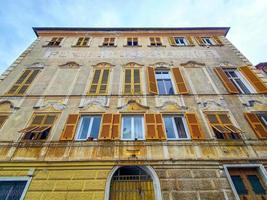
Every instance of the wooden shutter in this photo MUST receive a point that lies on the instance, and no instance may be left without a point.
(115, 133)
(104, 81)
(152, 41)
(106, 129)
(226, 81)
(180, 84)
(150, 122)
(136, 81)
(152, 84)
(160, 127)
(256, 125)
(217, 40)
(190, 41)
(199, 41)
(3, 118)
(172, 41)
(127, 81)
(79, 42)
(194, 126)
(95, 81)
(253, 79)
(70, 127)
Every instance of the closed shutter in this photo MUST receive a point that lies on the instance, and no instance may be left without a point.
(194, 126)
(105, 133)
(160, 127)
(227, 83)
(127, 81)
(150, 121)
(104, 82)
(199, 41)
(256, 125)
(217, 40)
(136, 81)
(152, 41)
(152, 84)
(94, 84)
(79, 42)
(85, 41)
(190, 41)
(172, 41)
(253, 79)
(99, 84)
(70, 127)
(115, 134)
(180, 84)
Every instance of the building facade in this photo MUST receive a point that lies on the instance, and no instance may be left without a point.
(133, 113)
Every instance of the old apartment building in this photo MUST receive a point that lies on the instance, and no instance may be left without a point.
(135, 114)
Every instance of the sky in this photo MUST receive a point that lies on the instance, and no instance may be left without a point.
(247, 19)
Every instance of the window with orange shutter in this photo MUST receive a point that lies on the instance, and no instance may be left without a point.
(40, 126)
(258, 122)
(222, 126)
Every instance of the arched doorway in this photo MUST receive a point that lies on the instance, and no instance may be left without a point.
(133, 182)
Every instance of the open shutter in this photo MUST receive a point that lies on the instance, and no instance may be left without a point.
(152, 84)
(217, 40)
(172, 41)
(194, 126)
(199, 41)
(227, 83)
(256, 125)
(70, 127)
(151, 132)
(190, 41)
(180, 84)
(160, 127)
(253, 79)
(105, 133)
(115, 134)
(3, 118)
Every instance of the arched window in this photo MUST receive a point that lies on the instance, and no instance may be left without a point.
(133, 182)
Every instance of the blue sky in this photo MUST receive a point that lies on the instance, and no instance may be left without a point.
(247, 19)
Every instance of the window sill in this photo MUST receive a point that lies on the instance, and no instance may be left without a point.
(182, 45)
(107, 46)
(156, 46)
(77, 46)
(132, 46)
(50, 46)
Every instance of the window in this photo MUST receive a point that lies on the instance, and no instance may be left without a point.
(222, 126)
(155, 41)
(3, 118)
(263, 118)
(132, 127)
(175, 127)
(132, 41)
(258, 122)
(132, 81)
(208, 41)
(109, 42)
(89, 127)
(180, 41)
(23, 83)
(164, 82)
(82, 41)
(236, 78)
(55, 41)
(13, 189)
(99, 83)
(247, 182)
(40, 126)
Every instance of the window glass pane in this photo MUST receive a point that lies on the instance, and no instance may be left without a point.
(168, 85)
(239, 185)
(242, 86)
(95, 127)
(256, 184)
(84, 128)
(138, 127)
(169, 127)
(263, 118)
(180, 127)
(161, 87)
(11, 190)
(126, 131)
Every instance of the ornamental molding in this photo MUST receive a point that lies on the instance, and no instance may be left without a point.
(51, 105)
(162, 65)
(132, 105)
(132, 64)
(170, 106)
(36, 65)
(212, 104)
(70, 65)
(192, 63)
(103, 64)
(100, 102)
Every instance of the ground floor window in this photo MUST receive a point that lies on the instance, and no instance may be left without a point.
(12, 189)
(248, 182)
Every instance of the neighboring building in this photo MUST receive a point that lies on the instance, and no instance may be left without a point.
(262, 66)
(133, 113)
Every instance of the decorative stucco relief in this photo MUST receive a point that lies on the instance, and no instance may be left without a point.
(70, 65)
(254, 103)
(132, 106)
(15, 102)
(215, 103)
(192, 63)
(100, 101)
(36, 65)
(48, 104)
(171, 104)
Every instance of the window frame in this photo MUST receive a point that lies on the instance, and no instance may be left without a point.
(83, 39)
(77, 131)
(187, 132)
(19, 178)
(99, 81)
(204, 40)
(109, 43)
(261, 170)
(132, 40)
(184, 40)
(157, 44)
(241, 78)
(132, 81)
(171, 80)
(263, 121)
(52, 43)
(132, 127)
